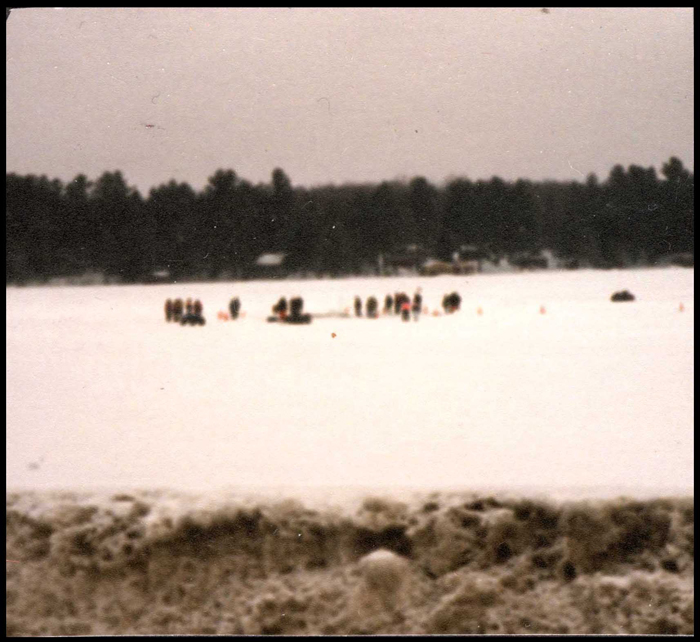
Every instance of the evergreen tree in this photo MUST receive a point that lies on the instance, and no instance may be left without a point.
(115, 211)
(57, 230)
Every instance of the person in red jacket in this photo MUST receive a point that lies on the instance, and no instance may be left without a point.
(405, 308)
(280, 308)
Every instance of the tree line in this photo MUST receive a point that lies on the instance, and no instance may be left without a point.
(634, 217)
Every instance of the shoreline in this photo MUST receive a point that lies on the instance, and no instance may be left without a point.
(81, 282)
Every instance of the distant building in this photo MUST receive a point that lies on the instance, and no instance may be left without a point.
(466, 266)
(159, 276)
(471, 253)
(409, 258)
(433, 267)
(527, 261)
(467, 259)
(681, 259)
(470, 258)
(270, 266)
(270, 260)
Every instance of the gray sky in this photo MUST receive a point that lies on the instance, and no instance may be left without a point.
(347, 95)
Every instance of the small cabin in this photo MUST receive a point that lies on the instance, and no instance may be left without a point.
(681, 259)
(468, 259)
(470, 266)
(525, 261)
(159, 275)
(471, 253)
(409, 258)
(270, 266)
(433, 267)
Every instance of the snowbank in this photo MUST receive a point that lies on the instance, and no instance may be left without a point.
(459, 563)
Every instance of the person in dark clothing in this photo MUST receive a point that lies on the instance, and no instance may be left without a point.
(372, 307)
(280, 308)
(358, 306)
(169, 310)
(177, 310)
(417, 304)
(188, 306)
(296, 305)
(451, 302)
(234, 307)
(296, 308)
(388, 304)
(193, 315)
(448, 303)
(397, 303)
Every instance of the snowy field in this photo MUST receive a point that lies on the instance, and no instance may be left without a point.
(591, 397)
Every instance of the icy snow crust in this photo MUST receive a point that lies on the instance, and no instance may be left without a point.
(448, 563)
(589, 398)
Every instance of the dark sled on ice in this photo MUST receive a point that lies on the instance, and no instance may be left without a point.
(294, 320)
(192, 319)
(624, 295)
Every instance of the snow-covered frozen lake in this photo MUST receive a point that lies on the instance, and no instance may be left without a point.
(592, 396)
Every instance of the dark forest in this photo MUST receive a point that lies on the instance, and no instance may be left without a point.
(106, 227)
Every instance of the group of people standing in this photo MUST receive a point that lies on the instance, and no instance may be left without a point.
(451, 302)
(403, 305)
(292, 312)
(190, 312)
(371, 307)
(187, 313)
(399, 303)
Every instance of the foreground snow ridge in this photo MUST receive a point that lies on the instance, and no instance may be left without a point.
(441, 563)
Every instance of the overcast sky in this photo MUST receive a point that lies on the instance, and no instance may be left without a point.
(347, 95)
